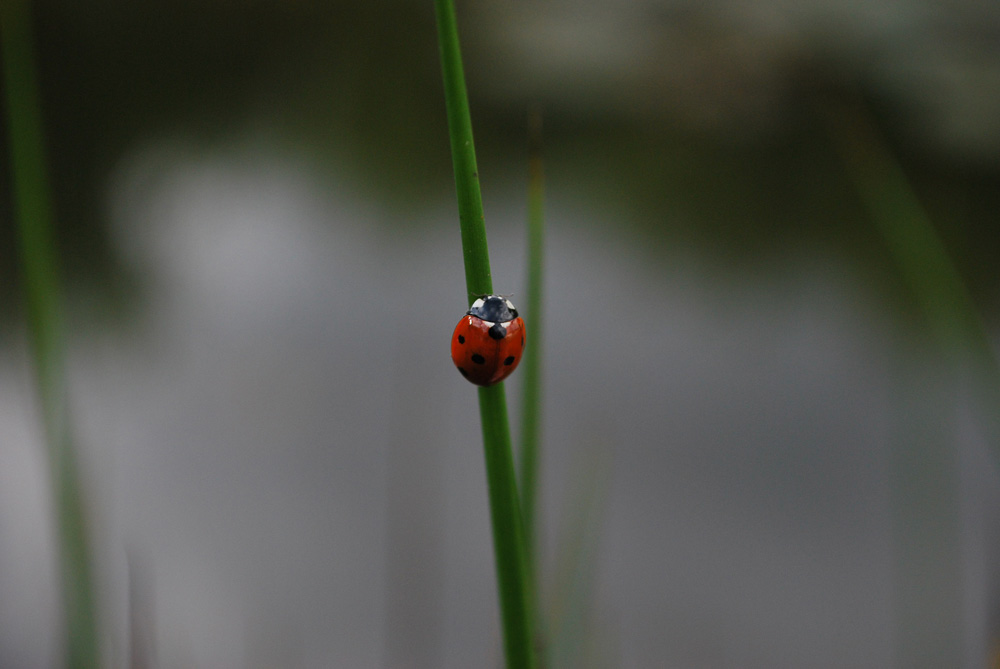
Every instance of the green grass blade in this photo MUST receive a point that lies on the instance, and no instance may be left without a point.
(508, 544)
(920, 255)
(530, 373)
(912, 240)
(36, 253)
(475, 250)
(570, 636)
(924, 496)
(505, 512)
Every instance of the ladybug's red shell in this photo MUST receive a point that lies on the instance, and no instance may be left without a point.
(487, 351)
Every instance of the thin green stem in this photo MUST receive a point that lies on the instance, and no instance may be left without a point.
(919, 253)
(912, 240)
(475, 250)
(36, 252)
(508, 543)
(508, 529)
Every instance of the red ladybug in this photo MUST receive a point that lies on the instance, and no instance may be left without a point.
(488, 342)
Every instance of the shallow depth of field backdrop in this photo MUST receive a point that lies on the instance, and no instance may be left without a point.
(755, 453)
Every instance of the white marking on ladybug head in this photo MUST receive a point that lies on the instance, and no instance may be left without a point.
(477, 304)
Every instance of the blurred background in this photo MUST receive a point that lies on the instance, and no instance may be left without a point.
(755, 452)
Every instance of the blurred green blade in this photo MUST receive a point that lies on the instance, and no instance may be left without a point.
(40, 287)
(924, 480)
(919, 254)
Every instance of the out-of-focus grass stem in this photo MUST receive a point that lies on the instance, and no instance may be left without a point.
(918, 252)
(924, 482)
(40, 288)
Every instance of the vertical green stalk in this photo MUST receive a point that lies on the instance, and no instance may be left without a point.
(508, 530)
(920, 255)
(914, 244)
(39, 278)
(475, 251)
(531, 389)
(924, 497)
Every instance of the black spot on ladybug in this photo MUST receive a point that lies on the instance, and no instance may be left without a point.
(522, 341)
(464, 373)
(509, 360)
(498, 331)
(478, 359)
(461, 339)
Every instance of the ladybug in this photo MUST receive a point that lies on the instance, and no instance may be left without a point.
(488, 342)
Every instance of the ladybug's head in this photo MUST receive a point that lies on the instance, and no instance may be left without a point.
(493, 308)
